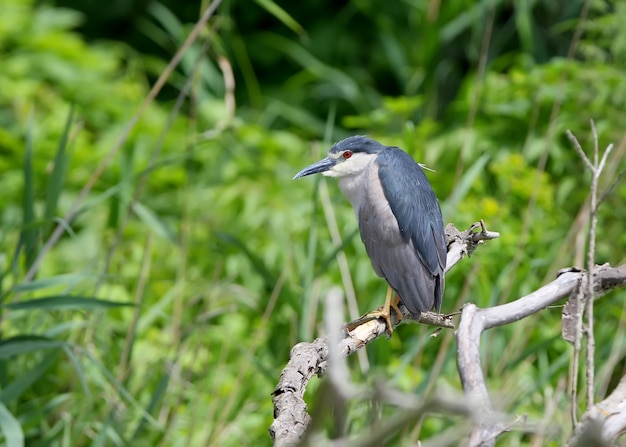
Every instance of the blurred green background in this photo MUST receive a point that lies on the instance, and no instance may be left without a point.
(168, 307)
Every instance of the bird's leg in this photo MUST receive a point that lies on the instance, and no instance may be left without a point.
(391, 302)
(394, 305)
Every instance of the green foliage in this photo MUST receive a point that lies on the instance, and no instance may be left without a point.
(167, 309)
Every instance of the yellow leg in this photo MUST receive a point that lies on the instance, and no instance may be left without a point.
(391, 302)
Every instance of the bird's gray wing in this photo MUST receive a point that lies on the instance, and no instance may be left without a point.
(395, 260)
(416, 264)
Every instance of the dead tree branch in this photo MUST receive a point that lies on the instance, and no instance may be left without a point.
(474, 321)
(291, 418)
(308, 359)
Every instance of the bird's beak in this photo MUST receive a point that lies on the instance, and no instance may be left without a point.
(320, 166)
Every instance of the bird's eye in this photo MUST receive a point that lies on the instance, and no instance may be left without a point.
(347, 154)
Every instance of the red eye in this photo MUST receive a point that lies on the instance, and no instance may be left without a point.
(347, 154)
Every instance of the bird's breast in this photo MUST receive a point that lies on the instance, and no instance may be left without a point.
(354, 187)
(376, 220)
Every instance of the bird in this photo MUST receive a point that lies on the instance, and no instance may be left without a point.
(400, 221)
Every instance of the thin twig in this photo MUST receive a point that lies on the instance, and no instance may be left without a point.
(591, 256)
(573, 373)
(596, 168)
(578, 299)
(99, 170)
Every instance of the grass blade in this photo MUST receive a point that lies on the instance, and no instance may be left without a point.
(30, 234)
(281, 15)
(11, 428)
(157, 396)
(79, 371)
(68, 279)
(67, 302)
(22, 344)
(57, 177)
(152, 220)
(24, 381)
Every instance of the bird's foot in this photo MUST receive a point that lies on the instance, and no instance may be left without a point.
(383, 312)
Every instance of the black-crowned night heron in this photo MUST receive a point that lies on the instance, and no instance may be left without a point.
(399, 219)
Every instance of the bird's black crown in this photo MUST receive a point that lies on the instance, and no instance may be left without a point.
(358, 143)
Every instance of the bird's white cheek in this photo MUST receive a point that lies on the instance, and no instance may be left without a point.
(331, 173)
(340, 170)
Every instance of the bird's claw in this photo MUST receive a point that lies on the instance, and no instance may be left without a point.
(383, 312)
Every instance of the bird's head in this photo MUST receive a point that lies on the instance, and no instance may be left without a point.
(347, 157)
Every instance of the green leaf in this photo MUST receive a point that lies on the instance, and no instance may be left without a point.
(281, 15)
(122, 391)
(80, 371)
(57, 177)
(64, 279)
(154, 222)
(66, 302)
(157, 395)
(11, 428)
(23, 344)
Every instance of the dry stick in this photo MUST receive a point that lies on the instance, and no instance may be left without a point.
(596, 170)
(591, 259)
(474, 321)
(291, 418)
(578, 300)
(71, 214)
(573, 373)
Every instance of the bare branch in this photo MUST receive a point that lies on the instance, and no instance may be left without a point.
(291, 418)
(591, 261)
(607, 151)
(579, 149)
(588, 297)
(465, 242)
(475, 320)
